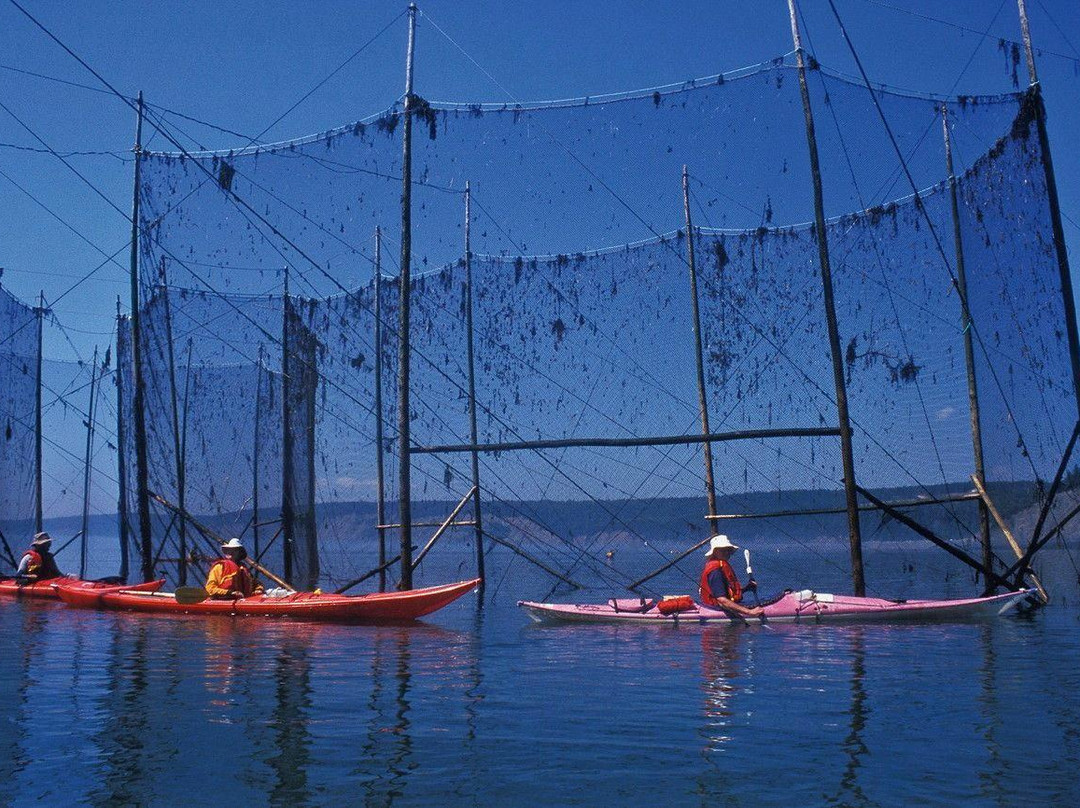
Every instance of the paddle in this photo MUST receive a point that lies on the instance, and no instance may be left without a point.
(751, 584)
(187, 595)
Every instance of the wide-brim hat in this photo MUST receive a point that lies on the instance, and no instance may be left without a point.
(232, 544)
(720, 543)
(42, 538)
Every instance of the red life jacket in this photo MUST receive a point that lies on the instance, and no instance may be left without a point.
(236, 578)
(734, 588)
(42, 565)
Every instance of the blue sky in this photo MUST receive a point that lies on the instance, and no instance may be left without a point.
(242, 65)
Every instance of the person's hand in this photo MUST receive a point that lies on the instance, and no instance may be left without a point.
(751, 585)
(238, 595)
(757, 611)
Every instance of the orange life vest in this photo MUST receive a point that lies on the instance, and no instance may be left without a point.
(235, 578)
(734, 588)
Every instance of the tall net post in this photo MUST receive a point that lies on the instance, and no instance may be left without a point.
(121, 447)
(380, 480)
(1055, 205)
(473, 433)
(255, 457)
(181, 523)
(710, 486)
(857, 578)
(288, 487)
(38, 505)
(405, 285)
(969, 347)
(86, 467)
(142, 495)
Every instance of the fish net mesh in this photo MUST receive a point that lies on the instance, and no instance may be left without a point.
(18, 395)
(583, 328)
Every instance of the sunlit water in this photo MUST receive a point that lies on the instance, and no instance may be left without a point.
(482, 707)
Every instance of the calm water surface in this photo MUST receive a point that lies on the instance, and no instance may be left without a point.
(478, 707)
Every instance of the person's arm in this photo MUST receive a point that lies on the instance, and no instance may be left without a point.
(214, 581)
(728, 605)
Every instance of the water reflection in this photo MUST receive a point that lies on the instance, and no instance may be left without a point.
(720, 662)
(388, 740)
(850, 792)
(291, 713)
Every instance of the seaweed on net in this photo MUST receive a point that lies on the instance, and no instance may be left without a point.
(577, 341)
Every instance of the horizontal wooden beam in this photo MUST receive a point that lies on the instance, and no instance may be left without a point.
(911, 503)
(673, 440)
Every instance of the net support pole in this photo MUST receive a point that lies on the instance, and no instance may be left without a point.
(404, 480)
(288, 492)
(142, 472)
(39, 312)
(855, 539)
(174, 400)
(470, 355)
(1055, 205)
(255, 456)
(703, 401)
(380, 480)
(121, 448)
(86, 465)
(969, 347)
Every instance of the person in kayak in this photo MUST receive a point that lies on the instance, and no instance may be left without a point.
(720, 588)
(37, 563)
(229, 578)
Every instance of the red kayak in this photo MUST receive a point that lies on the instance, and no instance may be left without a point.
(87, 594)
(51, 587)
(300, 605)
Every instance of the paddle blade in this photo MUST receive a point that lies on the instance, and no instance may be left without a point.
(186, 595)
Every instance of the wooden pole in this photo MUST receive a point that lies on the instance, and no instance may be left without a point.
(178, 459)
(703, 399)
(380, 480)
(668, 565)
(288, 491)
(121, 448)
(854, 536)
(86, 467)
(1052, 493)
(142, 468)
(38, 490)
(404, 463)
(906, 520)
(1055, 206)
(1013, 543)
(473, 432)
(674, 440)
(442, 528)
(255, 456)
(969, 346)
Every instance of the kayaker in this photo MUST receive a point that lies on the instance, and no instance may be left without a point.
(37, 563)
(720, 586)
(229, 578)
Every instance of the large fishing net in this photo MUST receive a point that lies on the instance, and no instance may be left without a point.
(589, 347)
(18, 395)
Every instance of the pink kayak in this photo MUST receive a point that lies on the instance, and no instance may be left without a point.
(791, 607)
(329, 608)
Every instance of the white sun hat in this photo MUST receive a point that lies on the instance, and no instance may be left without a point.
(720, 543)
(232, 544)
